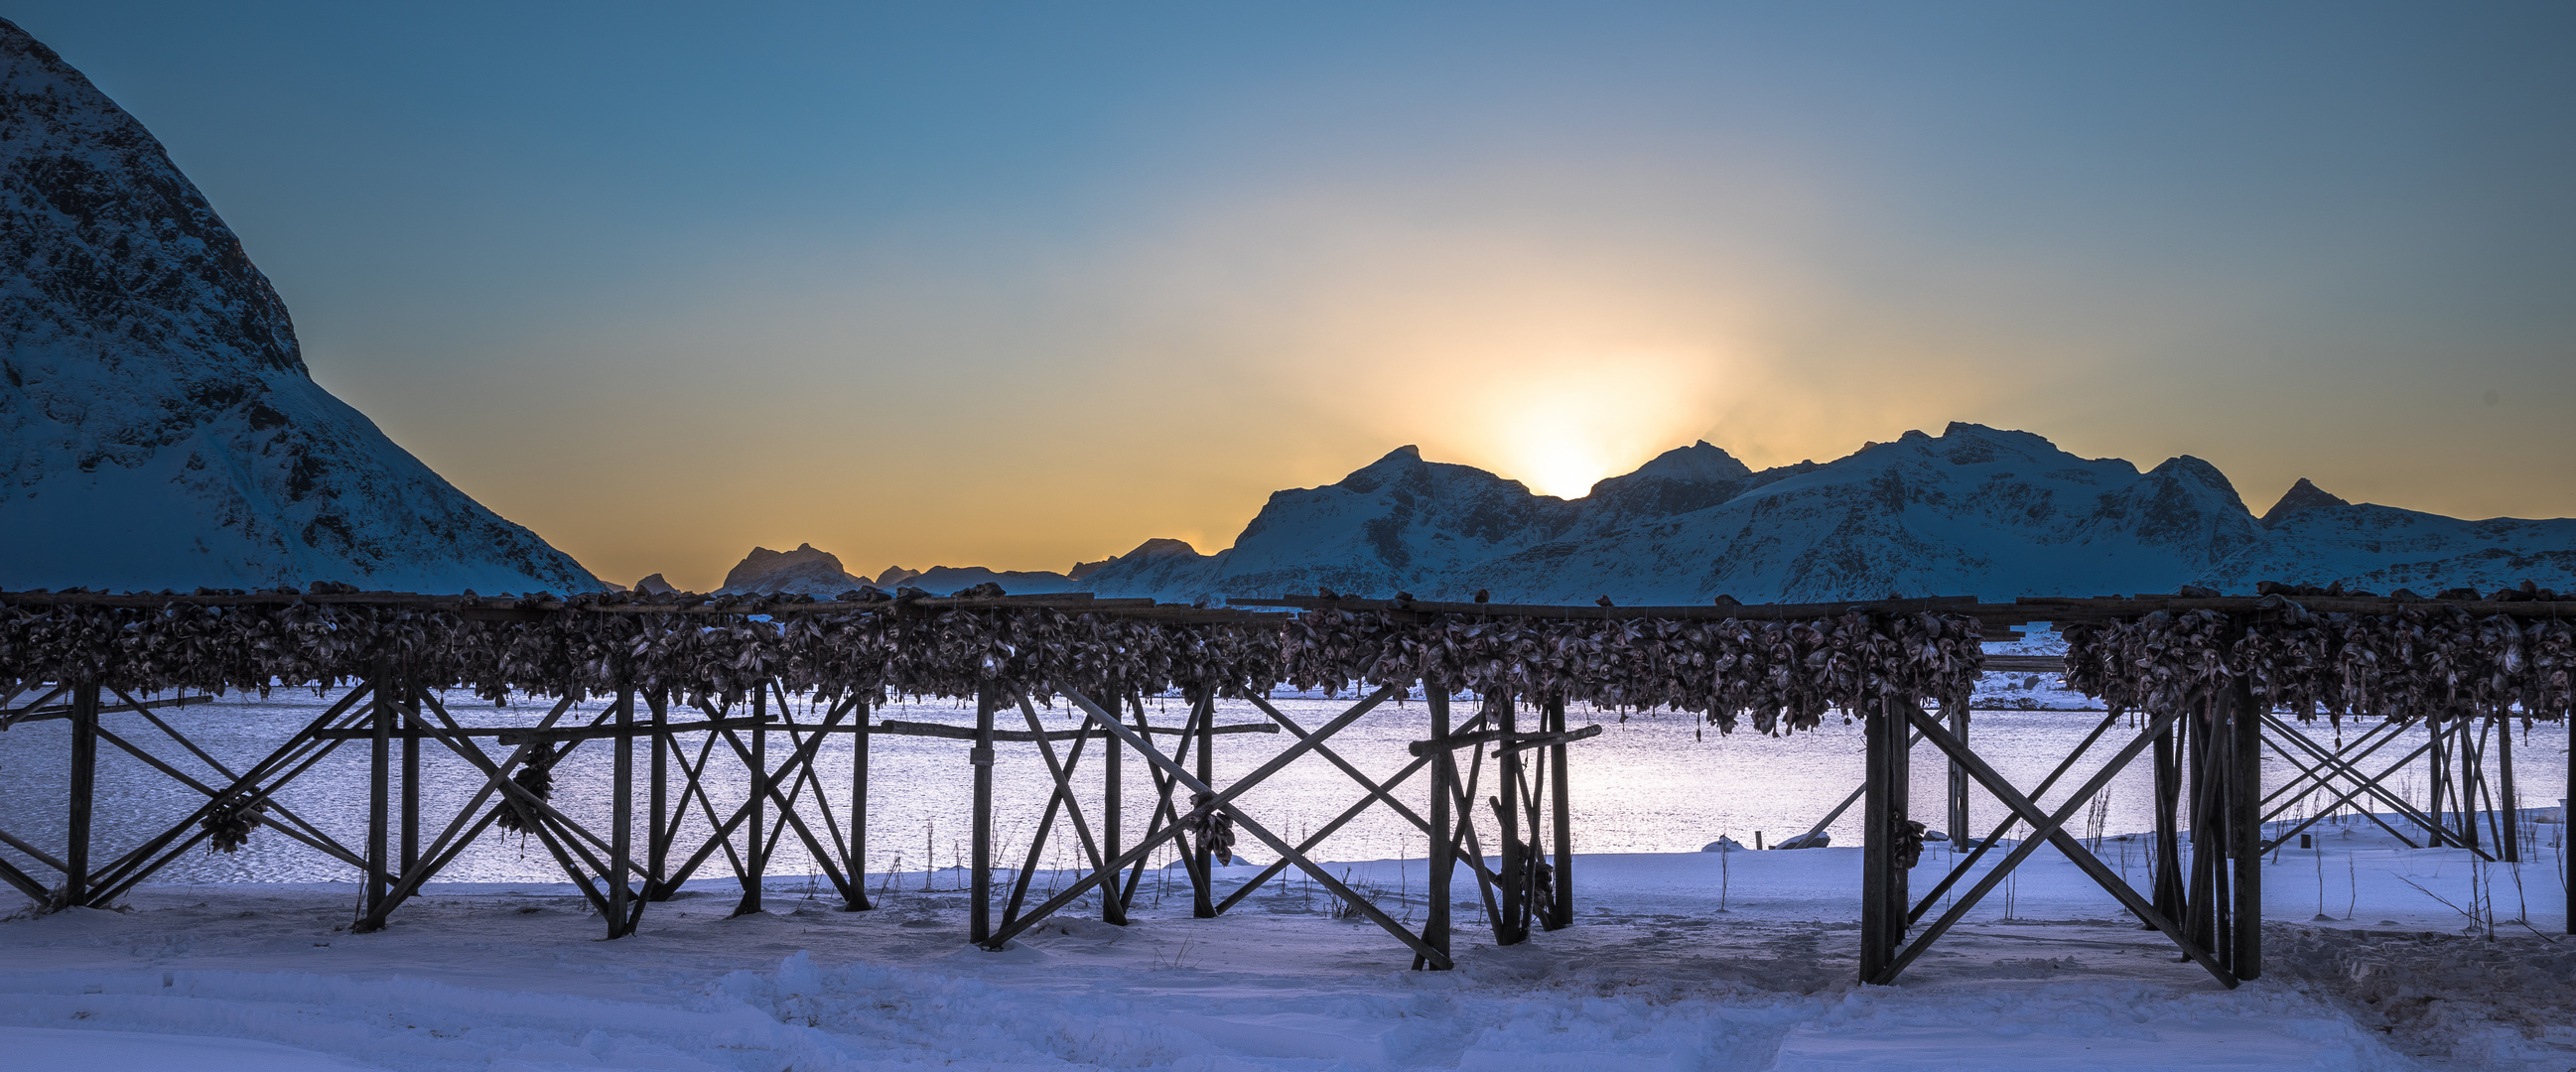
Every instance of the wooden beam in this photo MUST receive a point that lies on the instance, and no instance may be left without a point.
(902, 728)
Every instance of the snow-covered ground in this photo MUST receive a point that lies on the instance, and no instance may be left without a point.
(1678, 961)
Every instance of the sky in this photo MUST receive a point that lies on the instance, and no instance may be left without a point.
(1020, 285)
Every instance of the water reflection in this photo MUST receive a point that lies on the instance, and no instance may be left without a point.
(1648, 783)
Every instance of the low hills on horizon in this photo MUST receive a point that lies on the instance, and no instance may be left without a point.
(1973, 511)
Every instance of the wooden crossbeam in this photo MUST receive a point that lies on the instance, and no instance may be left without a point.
(37, 713)
(1511, 742)
(517, 735)
(902, 728)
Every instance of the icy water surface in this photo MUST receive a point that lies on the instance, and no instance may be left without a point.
(1648, 783)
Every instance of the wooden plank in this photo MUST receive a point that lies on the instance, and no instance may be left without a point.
(518, 735)
(902, 728)
(35, 713)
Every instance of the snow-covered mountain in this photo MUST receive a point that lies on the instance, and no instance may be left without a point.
(158, 428)
(1973, 511)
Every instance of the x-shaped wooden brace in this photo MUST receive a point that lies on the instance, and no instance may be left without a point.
(1061, 799)
(799, 766)
(1225, 801)
(764, 787)
(2324, 765)
(2051, 829)
(141, 862)
(1378, 792)
(286, 821)
(471, 820)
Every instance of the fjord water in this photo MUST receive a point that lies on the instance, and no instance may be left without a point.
(1648, 783)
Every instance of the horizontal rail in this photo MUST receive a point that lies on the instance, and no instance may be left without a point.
(961, 733)
(53, 711)
(1513, 742)
(515, 735)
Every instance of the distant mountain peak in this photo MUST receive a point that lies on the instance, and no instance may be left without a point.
(1698, 461)
(2301, 496)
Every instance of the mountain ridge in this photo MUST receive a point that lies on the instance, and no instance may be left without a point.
(158, 425)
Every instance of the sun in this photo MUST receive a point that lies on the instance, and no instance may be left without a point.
(1565, 425)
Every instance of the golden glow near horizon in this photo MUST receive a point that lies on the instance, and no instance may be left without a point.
(1564, 425)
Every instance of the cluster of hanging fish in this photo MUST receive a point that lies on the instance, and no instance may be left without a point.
(1784, 675)
(2430, 661)
(581, 650)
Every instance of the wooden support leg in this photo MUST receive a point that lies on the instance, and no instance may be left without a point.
(857, 860)
(84, 787)
(1203, 881)
(621, 820)
(660, 821)
(379, 784)
(1509, 925)
(411, 789)
(1958, 781)
(1560, 910)
(980, 912)
(2512, 802)
(755, 859)
(2466, 789)
(2168, 877)
(2244, 800)
(1113, 909)
(1878, 906)
(1444, 844)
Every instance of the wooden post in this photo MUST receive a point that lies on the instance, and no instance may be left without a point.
(1877, 856)
(658, 830)
(621, 820)
(1560, 913)
(84, 719)
(2504, 785)
(1510, 927)
(411, 783)
(980, 910)
(379, 795)
(1959, 836)
(1113, 909)
(2437, 772)
(2244, 800)
(1900, 793)
(2168, 894)
(1444, 846)
(755, 857)
(2466, 790)
(857, 861)
(1203, 883)
(2567, 822)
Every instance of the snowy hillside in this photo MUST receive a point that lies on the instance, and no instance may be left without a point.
(158, 428)
(1973, 511)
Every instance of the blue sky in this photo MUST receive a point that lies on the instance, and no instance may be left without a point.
(1018, 285)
